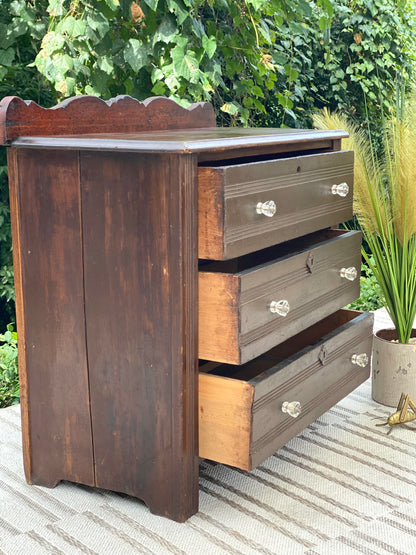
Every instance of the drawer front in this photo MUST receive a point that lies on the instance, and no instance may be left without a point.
(239, 314)
(230, 205)
(241, 417)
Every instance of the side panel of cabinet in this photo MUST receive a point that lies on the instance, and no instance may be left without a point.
(47, 245)
(140, 264)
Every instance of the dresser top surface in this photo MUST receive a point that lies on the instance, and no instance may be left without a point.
(185, 141)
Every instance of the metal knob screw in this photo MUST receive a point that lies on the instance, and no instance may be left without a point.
(267, 208)
(360, 360)
(349, 273)
(292, 408)
(340, 189)
(280, 307)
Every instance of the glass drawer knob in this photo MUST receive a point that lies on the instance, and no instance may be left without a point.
(267, 208)
(360, 360)
(280, 307)
(349, 273)
(292, 408)
(340, 189)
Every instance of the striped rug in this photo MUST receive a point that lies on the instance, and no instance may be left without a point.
(341, 487)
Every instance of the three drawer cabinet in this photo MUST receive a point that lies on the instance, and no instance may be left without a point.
(179, 291)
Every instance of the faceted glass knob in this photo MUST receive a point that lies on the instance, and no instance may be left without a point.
(280, 307)
(292, 408)
(349, 273)
(360, 360)
(267, 208)
(340, 189)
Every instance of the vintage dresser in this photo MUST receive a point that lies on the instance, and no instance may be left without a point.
(178, 291)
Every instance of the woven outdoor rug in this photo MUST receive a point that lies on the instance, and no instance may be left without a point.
(340, 487)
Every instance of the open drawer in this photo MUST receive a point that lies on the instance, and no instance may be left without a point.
(241, 409)
(245, 207)
(251, 304)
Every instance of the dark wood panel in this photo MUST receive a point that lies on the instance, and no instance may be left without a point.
(140, 296)
(45, 201)
(88, 114)
(299, 186)
(235, 322)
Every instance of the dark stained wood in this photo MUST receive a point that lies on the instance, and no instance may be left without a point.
(257, 390)
(209, 143)
(300, 186)
(89, 114)
(140, 287)
(104, 215)
(235, 323)
(46, 216)
(12, 155)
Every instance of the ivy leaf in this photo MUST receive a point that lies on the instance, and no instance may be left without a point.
(7, 57)
(136, 54)
(209, 45)
(105, 64)
(166, 30)
(56, 8)
(231, 108)
(98, 22)
(284, 101)
(152, 4)
(52, 42)
(184, 64)
(112, 4)
(159, 89)
(179, 9)
(291, 73)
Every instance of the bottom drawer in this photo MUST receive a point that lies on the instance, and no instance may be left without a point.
(241, 408)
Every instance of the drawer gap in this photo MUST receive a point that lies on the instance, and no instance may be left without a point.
(262, 158)
(271, 254)
(306, 338)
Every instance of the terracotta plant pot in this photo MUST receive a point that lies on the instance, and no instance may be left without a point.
(394, 368)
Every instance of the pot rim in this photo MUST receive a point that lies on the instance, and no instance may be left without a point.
(392, 329)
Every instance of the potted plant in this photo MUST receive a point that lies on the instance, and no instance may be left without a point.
(385, 206)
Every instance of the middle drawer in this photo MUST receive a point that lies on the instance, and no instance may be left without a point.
(250, 304)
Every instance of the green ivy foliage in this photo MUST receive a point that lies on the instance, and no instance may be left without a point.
(9, 374)
(216, 50)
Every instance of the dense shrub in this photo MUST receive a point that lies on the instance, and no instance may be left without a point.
(9, 378)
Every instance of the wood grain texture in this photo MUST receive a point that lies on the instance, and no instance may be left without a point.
(140, 287)
(210, 214)
(225, 408)
(235, 323)
(46, 216)
(264, 384)
(218, 317)
(89, 114)
(13, 170)
(300, 186)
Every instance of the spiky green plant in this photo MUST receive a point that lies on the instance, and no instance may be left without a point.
(385, 205)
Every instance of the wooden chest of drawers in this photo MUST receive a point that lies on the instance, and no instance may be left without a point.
(178, 291)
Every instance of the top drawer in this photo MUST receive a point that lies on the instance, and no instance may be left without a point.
(302, 188)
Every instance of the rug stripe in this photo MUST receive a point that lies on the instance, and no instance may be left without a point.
(303, 500)
(44, 543)
(255, 516)
(233, 533)
(365, 462)
(119, 533)
(341, 483)
(379, 543)
(149, 533)
(354, 477)
(70, 539)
